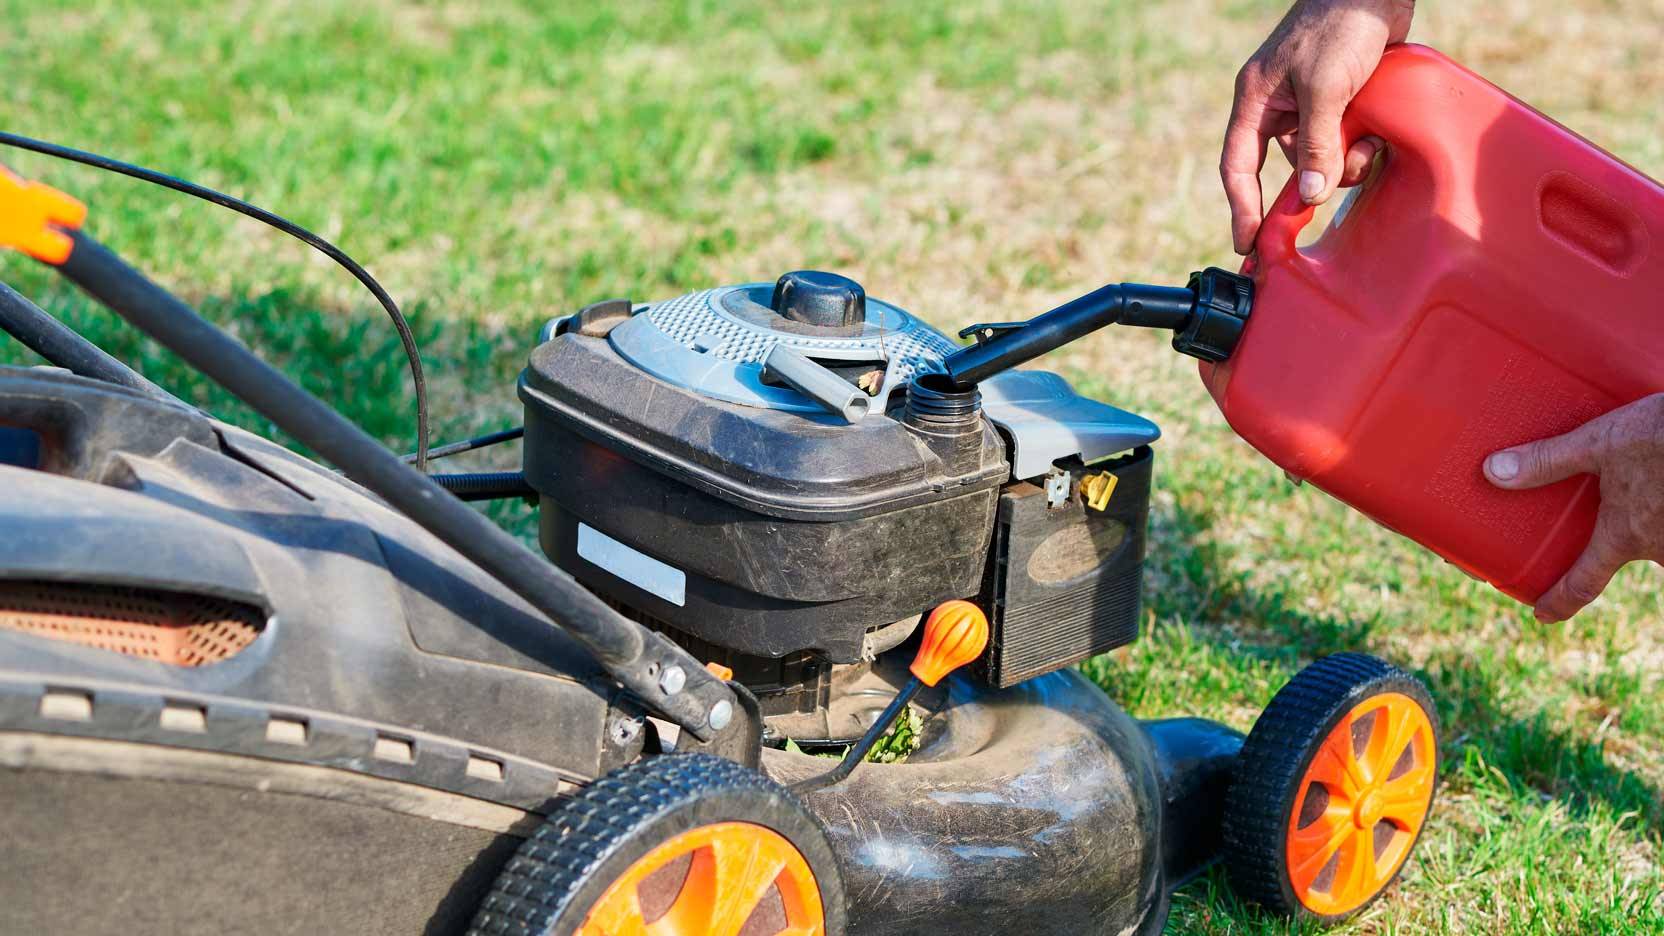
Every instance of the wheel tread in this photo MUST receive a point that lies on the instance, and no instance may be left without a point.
(1274, 759)
(583, 832)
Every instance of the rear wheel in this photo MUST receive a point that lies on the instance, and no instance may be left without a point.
(672, 846)
(1332, 788)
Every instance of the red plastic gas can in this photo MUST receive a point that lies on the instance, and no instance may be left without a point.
(1499, 280)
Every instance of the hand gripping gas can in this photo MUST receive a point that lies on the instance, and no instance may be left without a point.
(1497, 280)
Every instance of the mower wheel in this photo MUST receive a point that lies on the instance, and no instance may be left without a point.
(1332, 788)
(674, 844)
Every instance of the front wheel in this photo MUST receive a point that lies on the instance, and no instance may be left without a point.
(678, 845)
(1332, 788)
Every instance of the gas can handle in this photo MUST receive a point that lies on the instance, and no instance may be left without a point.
(1281, 228)
(1408, 77)
(1289, 215)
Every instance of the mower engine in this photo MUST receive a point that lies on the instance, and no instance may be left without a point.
(780, 478)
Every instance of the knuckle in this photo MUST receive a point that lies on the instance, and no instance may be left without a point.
(1328, 84)
(1624, 539)
(1609, 437)
(1259, 75)
(1583, 589)
(1536, 461)
(1315, 146)
(1324, 86)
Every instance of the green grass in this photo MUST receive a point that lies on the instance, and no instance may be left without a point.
(496, 164)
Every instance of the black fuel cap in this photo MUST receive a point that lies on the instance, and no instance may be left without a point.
(824, 300)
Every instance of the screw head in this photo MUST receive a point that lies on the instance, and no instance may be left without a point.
(625, 730)
(672, 680)
(721, 714)
(1057, 488)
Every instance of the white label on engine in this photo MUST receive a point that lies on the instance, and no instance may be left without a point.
(633, 565)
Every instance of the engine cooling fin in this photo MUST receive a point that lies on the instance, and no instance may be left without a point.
(153, 624)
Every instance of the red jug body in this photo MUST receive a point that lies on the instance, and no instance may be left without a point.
(1498, 280)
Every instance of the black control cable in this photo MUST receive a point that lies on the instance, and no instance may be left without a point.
(468, 445)
(406, 336)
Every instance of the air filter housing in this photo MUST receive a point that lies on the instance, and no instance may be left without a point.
(1065, 579)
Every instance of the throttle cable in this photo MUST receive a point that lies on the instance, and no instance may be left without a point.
(406, 336)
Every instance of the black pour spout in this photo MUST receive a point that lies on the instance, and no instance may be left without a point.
(1206, 316)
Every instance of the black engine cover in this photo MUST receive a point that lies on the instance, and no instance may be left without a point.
(764, 531)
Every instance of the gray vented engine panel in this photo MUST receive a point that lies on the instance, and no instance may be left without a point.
(714, 342)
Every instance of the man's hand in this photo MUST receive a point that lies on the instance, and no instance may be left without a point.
(1294, 89)
(1626, 449)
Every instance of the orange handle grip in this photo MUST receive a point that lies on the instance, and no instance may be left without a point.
(33, 218)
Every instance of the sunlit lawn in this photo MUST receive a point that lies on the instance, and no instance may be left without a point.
(495, 165)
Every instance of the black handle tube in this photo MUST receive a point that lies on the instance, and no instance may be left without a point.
(1134, 303)
(637, 658)
(64, 347)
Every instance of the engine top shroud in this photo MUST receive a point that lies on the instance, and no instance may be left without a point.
(677, 480)
(715, 341)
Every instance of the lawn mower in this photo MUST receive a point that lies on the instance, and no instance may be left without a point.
(241, 691)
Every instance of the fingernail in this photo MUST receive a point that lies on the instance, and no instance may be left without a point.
(1311, 184)
(1504, 466)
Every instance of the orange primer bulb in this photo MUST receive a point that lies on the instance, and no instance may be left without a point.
(956, 633)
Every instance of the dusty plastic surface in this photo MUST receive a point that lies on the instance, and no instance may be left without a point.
(1496, 283)
(1065, 583)
(362, 613)
(1043, 809)
(760, 530)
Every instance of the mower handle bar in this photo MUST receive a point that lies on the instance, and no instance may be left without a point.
(643, 662)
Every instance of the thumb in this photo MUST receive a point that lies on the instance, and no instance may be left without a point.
(1586, 579)
(1545, 462)
(1321, 154)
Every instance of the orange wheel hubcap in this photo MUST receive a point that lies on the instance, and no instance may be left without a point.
(726, 879)
(1361, 804)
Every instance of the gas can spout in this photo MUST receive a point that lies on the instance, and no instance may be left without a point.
(1206, 316)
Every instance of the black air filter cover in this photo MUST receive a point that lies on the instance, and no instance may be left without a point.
(1065, 583)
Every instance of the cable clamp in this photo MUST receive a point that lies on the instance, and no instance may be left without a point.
(988, 331)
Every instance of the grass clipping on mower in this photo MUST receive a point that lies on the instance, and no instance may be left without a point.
(892, 747)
